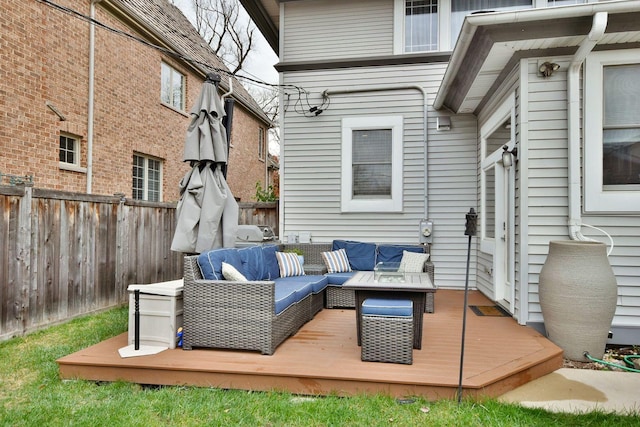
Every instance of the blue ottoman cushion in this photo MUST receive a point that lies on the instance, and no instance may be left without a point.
(387, 307)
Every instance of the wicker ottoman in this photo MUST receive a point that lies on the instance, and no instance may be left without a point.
(387, 331)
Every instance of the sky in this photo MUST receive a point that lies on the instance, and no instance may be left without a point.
(261, 61)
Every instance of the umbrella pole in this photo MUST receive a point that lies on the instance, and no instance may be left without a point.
(470, 230)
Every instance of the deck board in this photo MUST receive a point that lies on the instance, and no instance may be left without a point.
(324, 358)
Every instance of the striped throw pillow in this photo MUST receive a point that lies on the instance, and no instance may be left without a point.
(336, 261)
(289, 264)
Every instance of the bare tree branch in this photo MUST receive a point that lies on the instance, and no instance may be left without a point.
(219, 23)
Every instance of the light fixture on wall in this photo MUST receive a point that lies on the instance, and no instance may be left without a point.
(548, 68)
(443, 123)
(509, 156)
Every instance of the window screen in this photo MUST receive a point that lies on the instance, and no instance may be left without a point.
(372, 163)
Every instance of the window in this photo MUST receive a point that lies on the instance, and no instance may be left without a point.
(431, 25)
(262, 143)
(372, 164)
(461, 8)
(69, 152)
(146, 178)
(172, 91)
(69, 155)
(612, 132)
(421, 26)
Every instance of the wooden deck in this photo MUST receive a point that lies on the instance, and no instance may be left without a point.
(323, 358)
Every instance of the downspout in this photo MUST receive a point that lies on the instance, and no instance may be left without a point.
(573, 111)
(327, 93)
(92, 46)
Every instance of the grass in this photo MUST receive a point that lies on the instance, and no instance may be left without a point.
(32, 394)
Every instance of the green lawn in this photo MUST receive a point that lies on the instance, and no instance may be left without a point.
(32, 394)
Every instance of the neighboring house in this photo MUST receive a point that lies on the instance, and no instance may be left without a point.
(439, 95)
(88, 108)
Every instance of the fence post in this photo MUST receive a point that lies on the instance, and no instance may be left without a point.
(24, 275)
(121, 250)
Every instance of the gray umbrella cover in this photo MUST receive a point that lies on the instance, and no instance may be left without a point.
(204, 193)
(206, 136)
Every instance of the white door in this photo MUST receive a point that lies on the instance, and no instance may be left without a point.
(497, 206)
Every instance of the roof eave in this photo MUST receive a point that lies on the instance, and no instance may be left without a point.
(475, 33)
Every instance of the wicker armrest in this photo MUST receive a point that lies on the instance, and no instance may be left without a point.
(430, 268)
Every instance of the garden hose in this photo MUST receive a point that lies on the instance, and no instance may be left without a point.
(627, 360)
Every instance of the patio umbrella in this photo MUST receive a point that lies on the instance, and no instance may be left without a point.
(207, 213)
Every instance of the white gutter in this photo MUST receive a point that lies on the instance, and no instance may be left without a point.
(91, 103)
(327, 93)
(472, 22)
(573, 112)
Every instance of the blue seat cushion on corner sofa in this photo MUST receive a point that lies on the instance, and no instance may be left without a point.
(393, 253)
(210, 262)
(285, 295)
(253, 263)
(339, 278)
(387, 307)
(361, 255)
(318, 283)
(271, 267)
(290, 290)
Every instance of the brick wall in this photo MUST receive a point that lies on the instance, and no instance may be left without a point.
(45, 59)
(245, 169)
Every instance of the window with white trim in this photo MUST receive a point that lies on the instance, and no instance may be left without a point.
(612, 132)
(262, 143)
(372, 164)
(172, 87)
(147, 178)
(69, 150)
(432, 25)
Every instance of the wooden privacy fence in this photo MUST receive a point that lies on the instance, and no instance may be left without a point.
(63, 255)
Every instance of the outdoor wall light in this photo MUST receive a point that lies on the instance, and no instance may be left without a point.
(443, 123)
(548, 68)
(508, 156)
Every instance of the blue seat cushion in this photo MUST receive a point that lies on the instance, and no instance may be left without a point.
(387, 307)
(361, 255)
(393, 253)
(339, 278)
(318, 283)
(210, 262)
(290, 290)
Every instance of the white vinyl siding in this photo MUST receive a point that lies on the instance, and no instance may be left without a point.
(548, 199)
(547, 172)
(311, 163)
(335, 29)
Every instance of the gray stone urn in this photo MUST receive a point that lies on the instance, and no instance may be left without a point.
(578, 293)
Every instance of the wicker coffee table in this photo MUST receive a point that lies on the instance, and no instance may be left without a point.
(415, 287)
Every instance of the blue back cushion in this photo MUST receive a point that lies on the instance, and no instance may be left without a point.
(210, 262)
(362, 256)
(271, 267)
(253, 263)
(393, 253)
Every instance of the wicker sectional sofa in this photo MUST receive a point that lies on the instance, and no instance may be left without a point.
(260, 313)
(362, 256)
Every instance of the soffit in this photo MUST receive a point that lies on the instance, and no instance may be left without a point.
(491, 50)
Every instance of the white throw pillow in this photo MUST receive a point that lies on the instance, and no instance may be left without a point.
(336, 261)
(230, 273)
(413, 262)
(289, 264)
